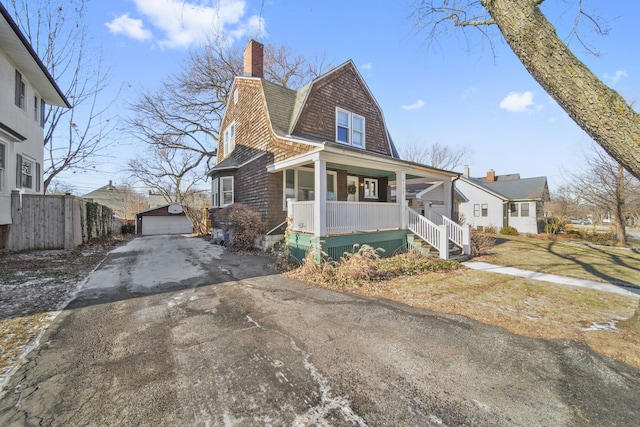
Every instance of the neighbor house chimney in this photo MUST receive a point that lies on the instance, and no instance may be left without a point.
(466, 171)
(254, 59)
(491, 175)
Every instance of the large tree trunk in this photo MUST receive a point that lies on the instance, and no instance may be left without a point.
(597, 109)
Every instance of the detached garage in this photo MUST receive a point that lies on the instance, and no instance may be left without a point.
(168, 219)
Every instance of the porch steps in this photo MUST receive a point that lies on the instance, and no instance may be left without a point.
(414, 242)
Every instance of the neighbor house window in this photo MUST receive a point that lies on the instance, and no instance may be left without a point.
(524, 209)
(485, 209)
(3, 153)
(21, 90)
(229, 138)
(350, 128)
(513, 208)
(300, 184)
(476, 210)
(370, 188)
(25, 171)
(42, 116)
(36, 117)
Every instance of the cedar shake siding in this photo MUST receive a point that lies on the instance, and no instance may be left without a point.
(343, 89)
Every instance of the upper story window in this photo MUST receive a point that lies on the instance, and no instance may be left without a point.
(21, 90)
(36, 116)
(42, 116)
(350, 128)
(229, 138)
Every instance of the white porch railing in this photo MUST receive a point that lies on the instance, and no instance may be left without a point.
(347, 217)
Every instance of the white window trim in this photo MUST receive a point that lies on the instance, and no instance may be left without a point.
(295, 184)
(476, 210)
(522, 205)
(350, 129)
(483, 207)
(215, 193)
(229, 136)
(222, 192)
(20, 91)
(367, 184)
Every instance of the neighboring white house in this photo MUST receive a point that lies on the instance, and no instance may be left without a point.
(502, 200)
(25, 87)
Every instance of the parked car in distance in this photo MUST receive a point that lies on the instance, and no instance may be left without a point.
(577, 221)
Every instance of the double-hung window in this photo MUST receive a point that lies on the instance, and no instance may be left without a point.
(222, 192)
(350, 128)
(370, 188)
(299, 184)
(524, 209)
(21, 91)
(485, 209)
(42, 116)
(476, 210)
(229, 139)
(513, 208)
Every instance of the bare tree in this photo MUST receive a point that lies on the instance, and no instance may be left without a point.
(74, 137)
(606, 186)
(599, 110)
(436, 155)
(565, 204)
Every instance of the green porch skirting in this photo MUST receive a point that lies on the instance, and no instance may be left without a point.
(392, 242)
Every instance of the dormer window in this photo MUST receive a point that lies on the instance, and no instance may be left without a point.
(229, 138)
(349, 128)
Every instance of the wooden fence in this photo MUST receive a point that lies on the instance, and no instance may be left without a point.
(56, 222)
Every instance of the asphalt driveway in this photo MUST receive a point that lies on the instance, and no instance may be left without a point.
(172, 330)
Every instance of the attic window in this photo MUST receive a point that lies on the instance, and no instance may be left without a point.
(229, 138)
(350, 128)
(235, 96)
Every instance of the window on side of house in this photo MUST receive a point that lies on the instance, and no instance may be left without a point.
(25, 171)
(513, 209)
(36, 116)
(350, 128)
(476, 210)
(215, 193)
(370, 188)
(485, 209)
(21, 90)
(229, 139)
(524, 209)
(226, 191)
(42, 116)
(3, 154)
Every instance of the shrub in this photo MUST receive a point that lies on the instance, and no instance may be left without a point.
(412, 263)
(481, 243)
(242, 224)
(509, 231)
(127, 229)
(554, 225)
(490, 229)
(357, 265)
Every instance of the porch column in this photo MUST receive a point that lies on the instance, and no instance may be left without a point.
(401, 197)
(448, 197)
(320, 198)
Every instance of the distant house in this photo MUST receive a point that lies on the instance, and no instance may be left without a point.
(322, 156)
(25, 88)
(502, 200)
(156, 200)
(123, 201)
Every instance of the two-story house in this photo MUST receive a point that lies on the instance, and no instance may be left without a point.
(323, 158)
(25, 87)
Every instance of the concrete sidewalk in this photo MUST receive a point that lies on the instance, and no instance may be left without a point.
(553, 278)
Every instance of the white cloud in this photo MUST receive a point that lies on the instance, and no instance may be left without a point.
(516, 102)
(366, 67)
(181, 23)
(470, 91)
(415, 106)
(129, 27)
(619, 75)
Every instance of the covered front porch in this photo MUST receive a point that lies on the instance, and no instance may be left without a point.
(346, 195)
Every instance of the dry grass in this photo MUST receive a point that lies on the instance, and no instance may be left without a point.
(522, 306)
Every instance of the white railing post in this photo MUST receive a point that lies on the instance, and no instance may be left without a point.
(466, 240)
(401, 197)
(444, 241)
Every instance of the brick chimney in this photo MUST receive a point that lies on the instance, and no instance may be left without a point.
(491, 175)
(254, 59)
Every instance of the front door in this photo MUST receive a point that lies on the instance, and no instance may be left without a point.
(352, 188)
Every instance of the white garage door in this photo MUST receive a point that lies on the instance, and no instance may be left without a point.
(166, 225)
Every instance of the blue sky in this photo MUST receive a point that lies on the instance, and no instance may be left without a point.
(453, 93)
